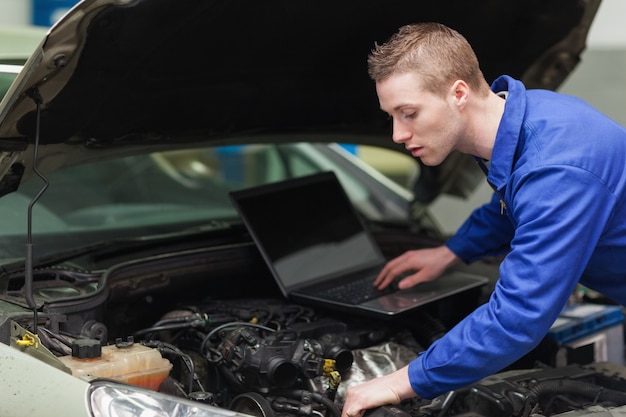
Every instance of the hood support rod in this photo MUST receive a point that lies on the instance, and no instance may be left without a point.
(34, 94)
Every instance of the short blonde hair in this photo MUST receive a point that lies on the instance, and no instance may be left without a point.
(439, 54)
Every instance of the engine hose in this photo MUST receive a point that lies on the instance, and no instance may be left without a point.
(230, 377)
(545, 389)
(331, 408)
(428, 329)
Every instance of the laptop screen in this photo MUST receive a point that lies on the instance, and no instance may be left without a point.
(307, 229)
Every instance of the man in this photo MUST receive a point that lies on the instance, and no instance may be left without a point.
(558, 169)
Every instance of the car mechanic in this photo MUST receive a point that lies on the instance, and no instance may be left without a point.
(558, 213)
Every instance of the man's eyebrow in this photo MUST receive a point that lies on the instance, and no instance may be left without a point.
(396, 108)
(402, 106)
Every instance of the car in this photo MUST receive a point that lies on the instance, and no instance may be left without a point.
(129, 285)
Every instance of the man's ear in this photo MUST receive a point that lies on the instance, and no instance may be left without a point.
(459, 92)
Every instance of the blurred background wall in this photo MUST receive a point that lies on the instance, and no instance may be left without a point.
(33, 12)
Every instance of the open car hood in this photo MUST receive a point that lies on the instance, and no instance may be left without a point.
(114, 75)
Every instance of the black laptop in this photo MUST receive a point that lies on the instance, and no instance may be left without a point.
(320, 251)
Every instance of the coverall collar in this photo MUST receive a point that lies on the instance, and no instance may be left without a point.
(507, 137)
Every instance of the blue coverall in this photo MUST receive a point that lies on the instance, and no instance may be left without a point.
(559, 166)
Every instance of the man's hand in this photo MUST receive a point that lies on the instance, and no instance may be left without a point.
(388, 389)
(423, 265)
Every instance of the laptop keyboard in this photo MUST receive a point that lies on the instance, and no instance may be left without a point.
(354, 292)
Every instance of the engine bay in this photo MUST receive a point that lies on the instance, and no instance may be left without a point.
(169, 323)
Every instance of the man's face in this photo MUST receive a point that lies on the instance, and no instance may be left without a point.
(429, 125)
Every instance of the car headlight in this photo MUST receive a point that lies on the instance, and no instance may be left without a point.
(109, 399)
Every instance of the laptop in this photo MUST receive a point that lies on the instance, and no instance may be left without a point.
(321, 252)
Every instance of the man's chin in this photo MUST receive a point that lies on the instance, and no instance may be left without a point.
(430, 162)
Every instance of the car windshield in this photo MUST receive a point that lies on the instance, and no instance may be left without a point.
(168, 191)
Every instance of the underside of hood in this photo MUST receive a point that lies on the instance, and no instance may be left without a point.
(138, 72)
(183, 68)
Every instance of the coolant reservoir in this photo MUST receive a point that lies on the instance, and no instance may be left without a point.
(127, 362)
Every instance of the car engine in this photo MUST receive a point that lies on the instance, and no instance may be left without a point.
(261, 354)
(269, 358)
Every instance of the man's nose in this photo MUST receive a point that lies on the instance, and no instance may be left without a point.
(400, 133)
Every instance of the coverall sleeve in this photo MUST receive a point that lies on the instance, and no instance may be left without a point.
(561, 212)
(487, 232)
